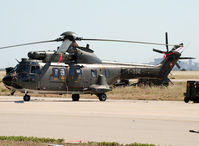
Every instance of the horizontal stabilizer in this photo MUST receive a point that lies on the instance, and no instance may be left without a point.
(187, 58)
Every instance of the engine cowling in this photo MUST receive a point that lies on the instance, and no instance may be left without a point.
(38, 55)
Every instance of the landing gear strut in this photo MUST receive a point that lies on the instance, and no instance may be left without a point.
(26, 97)
(102, 96)
(12, 92)
(75, 97)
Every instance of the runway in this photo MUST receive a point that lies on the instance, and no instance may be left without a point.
(123, 121)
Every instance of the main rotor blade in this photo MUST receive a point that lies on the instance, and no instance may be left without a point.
(166, 37)
(122, 41)
(32, 43)
(86, 49)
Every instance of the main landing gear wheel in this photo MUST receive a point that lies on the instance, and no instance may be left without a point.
(75, 97)
(186, 99)
(196, 100)
(102, 96)
(26, 98)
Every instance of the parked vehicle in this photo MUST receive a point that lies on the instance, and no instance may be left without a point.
(192, 92)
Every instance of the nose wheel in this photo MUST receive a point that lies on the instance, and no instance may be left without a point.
(102, 96)
(26, 97)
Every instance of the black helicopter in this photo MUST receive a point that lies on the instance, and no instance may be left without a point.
(76, 70)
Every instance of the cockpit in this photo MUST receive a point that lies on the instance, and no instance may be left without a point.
(27, 67)
(26, 71)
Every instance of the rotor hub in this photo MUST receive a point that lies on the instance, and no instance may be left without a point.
(69, 35)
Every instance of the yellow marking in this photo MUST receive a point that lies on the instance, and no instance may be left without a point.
(55, 79)
(62, 77)
(188, 84)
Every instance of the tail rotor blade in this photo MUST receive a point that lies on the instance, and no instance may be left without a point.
(178, 66)
(167, 46)
(158, 51)
(171, 82)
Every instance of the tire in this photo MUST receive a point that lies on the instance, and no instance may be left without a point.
(26, 98)
(75, 97)
(102, 96)
(196, 100)
(186, 99)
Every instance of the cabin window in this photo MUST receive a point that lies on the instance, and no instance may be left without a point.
(62, 74)
(55, 73)
(75, 72)
(72, 71)
(58, 74)
(107, 73)
(78, 71)
(94, 73)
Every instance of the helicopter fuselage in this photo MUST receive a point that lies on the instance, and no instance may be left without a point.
(34, 76)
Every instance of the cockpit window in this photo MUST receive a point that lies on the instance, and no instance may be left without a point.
(15, 68)
(22, 68)
(26, 68)
(35, 69)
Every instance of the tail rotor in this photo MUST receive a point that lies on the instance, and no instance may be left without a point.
(168, 52)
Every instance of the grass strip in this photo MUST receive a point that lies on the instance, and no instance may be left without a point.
(32, 139)
(115, 144)
(37, 141)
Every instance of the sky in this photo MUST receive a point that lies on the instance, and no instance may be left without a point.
(23, 21)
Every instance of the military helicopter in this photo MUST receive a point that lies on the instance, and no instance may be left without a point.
(73, 69)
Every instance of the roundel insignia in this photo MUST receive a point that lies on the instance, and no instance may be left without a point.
(171, 64)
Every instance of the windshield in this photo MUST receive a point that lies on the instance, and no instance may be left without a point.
(22, 67)
(14, 69)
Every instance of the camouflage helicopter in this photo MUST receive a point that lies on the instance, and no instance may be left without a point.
(73, 69)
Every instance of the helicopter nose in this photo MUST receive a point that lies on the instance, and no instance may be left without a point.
(7, 80)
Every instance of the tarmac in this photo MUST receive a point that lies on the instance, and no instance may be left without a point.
(122, 121)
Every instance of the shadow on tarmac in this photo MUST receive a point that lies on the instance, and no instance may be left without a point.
(47, 100)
